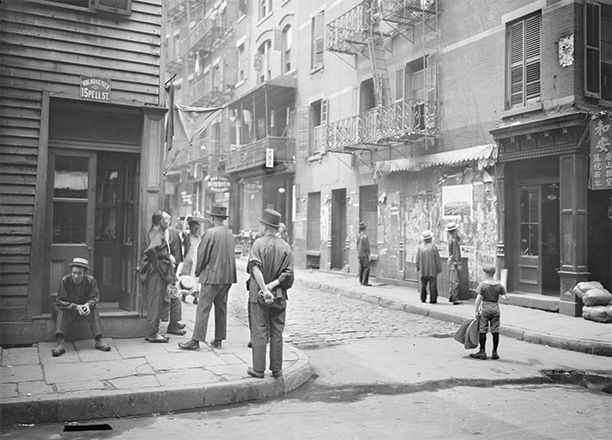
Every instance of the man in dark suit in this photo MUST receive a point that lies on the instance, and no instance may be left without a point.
(172, 307)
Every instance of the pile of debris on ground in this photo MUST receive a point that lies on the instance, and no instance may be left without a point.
(596, 299)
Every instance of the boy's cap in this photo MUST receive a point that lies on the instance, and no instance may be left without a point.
(489, 269)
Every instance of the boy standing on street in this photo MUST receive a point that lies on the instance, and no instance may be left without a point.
(487, 307)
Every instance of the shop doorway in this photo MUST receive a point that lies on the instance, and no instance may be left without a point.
(600, 237)
(92, 213)
(338, 228)
(538, 236)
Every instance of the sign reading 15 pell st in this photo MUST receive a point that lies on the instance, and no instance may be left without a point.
(96, 89)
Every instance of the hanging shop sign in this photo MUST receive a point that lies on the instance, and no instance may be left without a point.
(219, 184)
(95, 89)
(601, 155)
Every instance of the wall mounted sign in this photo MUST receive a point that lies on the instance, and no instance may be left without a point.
(95, 89)
(566, 51)
(456, 200)
(601, 154)
(219, 184)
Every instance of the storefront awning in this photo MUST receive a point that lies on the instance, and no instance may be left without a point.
(484, 154)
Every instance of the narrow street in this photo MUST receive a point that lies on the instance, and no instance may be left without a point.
(382, 373)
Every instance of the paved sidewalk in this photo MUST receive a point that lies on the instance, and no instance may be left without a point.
(531, 325)
(136, 377)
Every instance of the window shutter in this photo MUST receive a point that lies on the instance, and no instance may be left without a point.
(277, 42)
(532, 58)
(592, 38)
(303, 122)
(324, 112)
(318, 40)
(516, 63)
(399, 84)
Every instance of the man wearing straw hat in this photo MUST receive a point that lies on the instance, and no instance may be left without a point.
(216, 267)
(76, 301)
(270, 266)
(428, 263)
(454, 262)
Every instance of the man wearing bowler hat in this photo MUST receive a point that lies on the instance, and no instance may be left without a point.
(76, 301)
(270, 266)
(454, 262)
(363, 253)
(216, 269)
(428, 263)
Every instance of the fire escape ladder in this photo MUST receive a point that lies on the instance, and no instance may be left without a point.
(382, 86)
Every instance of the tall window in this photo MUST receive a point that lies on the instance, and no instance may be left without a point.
(265, 7)
(598, 51)
(242, 63)
(317, 43)
(524, 61)
(287, 44)
(262, 63)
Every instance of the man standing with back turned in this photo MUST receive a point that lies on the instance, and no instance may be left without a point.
(428, 263)
(363, 253)
(216, 267)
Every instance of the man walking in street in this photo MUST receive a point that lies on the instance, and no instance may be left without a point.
(428, 263)
(76, 301)
(271, 268)
(216, 268)
(363, 253)
(454, 262)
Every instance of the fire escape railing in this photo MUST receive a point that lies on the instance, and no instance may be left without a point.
(349, 32)
(402, 120)
(406, 12)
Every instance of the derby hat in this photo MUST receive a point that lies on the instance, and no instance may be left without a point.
(80, 262)
(427, 234)
(271, 217)
(452, 226)
(218, 211)
(362, 226)
(187, 282)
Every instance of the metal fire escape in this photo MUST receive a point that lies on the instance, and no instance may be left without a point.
(362, 31)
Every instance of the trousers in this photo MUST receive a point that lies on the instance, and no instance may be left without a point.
(267, 326)
(364, 270)
(433, 288)
(66, 317)
(155, 290)
(211, 294)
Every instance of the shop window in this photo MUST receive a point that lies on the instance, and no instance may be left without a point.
(317, 42)
(598, 51)
(523, 51)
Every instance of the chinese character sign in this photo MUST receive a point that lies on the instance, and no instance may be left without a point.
(601, 155)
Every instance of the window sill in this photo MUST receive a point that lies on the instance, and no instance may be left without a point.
(313, 253)
(263, 19)
(538, 106)
(316, 69)
(315, 157)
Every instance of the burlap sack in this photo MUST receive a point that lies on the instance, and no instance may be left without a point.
(596, 297)
(598, 313)
(584, 286)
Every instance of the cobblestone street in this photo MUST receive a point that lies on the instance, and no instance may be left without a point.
(316, 318)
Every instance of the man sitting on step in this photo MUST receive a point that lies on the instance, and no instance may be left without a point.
(76, 301)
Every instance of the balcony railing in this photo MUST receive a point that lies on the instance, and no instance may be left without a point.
(407, 12)
(407, 119)
(347, 33)
(252, 155)
(204, 93)
(209, 33)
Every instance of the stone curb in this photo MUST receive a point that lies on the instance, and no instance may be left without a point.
(84, 406)
(574, 344)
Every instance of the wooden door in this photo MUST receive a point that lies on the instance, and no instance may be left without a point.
(115, 227)
(529, 243)
(338, 228)
(71, 210)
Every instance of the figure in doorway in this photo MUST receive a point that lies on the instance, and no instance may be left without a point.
(76, 301)
(363, 253)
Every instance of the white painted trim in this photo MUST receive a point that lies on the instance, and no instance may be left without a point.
(525, 10)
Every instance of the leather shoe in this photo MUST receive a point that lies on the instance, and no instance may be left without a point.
(480, 355)
(180, 325)
(366, 284)
(176, 331)
(189, 345)
(216, 343)
(256, 374)
(277, 374)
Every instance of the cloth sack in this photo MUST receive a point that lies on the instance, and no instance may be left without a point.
(585, 286)
(596, 297)
(279, 302)
(467, 335)
(597, 313)
(461, 332)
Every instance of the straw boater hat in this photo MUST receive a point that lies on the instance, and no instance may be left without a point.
(80, 262)
(427, 234)
(452, 226)
(187, 282)
(218, 211)
(193, 219)
(271, 217)
(362, 226)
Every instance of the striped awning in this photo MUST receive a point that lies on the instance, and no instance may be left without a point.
(485, 155)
